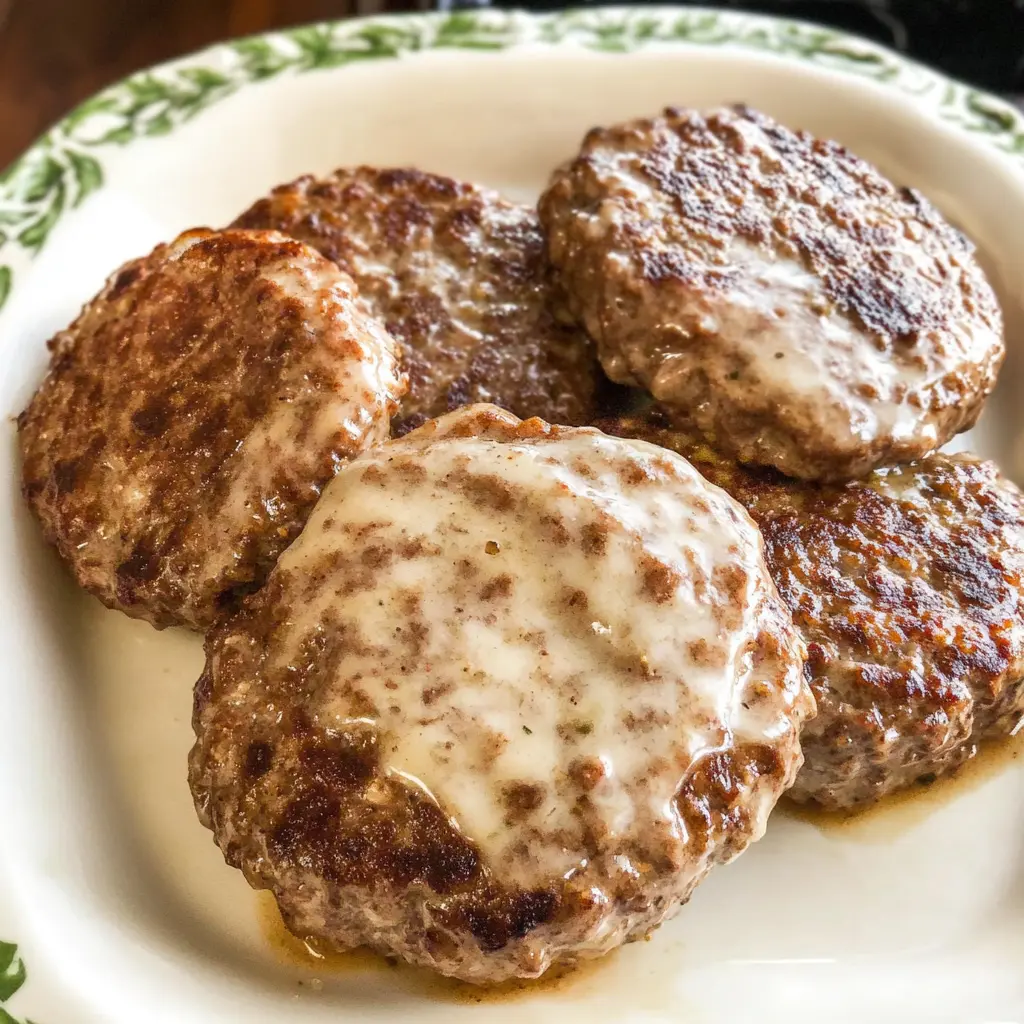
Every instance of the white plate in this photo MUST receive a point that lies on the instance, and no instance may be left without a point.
(119, 902)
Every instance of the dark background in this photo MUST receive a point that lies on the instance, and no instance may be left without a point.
(54, 53)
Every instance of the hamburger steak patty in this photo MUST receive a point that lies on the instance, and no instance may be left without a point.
(459, 277)
(510, 695)
(192, 413)
(776, 290)
(908, 587)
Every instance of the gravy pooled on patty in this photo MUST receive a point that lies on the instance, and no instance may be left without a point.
(192, 413)
(908, 588)
(774, 290)
(514, 690)
(458, 276)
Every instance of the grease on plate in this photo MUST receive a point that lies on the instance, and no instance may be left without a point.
(906, 808)
(315, 956)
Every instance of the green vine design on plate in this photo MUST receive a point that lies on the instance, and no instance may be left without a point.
(12, 977)
(60, 171)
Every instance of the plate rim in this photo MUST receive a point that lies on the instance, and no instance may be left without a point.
(65, 165)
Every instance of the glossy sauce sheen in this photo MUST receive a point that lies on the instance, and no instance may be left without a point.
(228, 375)
(790, 336)
(511, 695)
(907, 588)
(458, 276)
(879, 823)
(543, 678)
(774, 289)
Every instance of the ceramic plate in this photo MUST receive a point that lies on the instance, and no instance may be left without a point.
(114, 902)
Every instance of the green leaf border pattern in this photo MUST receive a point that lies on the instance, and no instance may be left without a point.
(61, 170)
(12, 977)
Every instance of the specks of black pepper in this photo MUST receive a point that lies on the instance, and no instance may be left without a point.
(527, 730)
(594, 538)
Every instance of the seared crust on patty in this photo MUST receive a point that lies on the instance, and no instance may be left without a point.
(796, 306)
(192, 413)
(484, 715)
(908, 587)
(459, 277)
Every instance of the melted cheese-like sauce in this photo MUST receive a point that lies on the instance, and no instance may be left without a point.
(353, 352)
(543, 621)
(777, 320)
(711, 321)
(794, 339)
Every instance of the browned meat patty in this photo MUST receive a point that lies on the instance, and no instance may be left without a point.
(908, 587)
(458, 275)
(192, 413)
(799, 309)
(510, 695)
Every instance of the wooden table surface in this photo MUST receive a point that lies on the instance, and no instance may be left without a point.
(55, 53)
